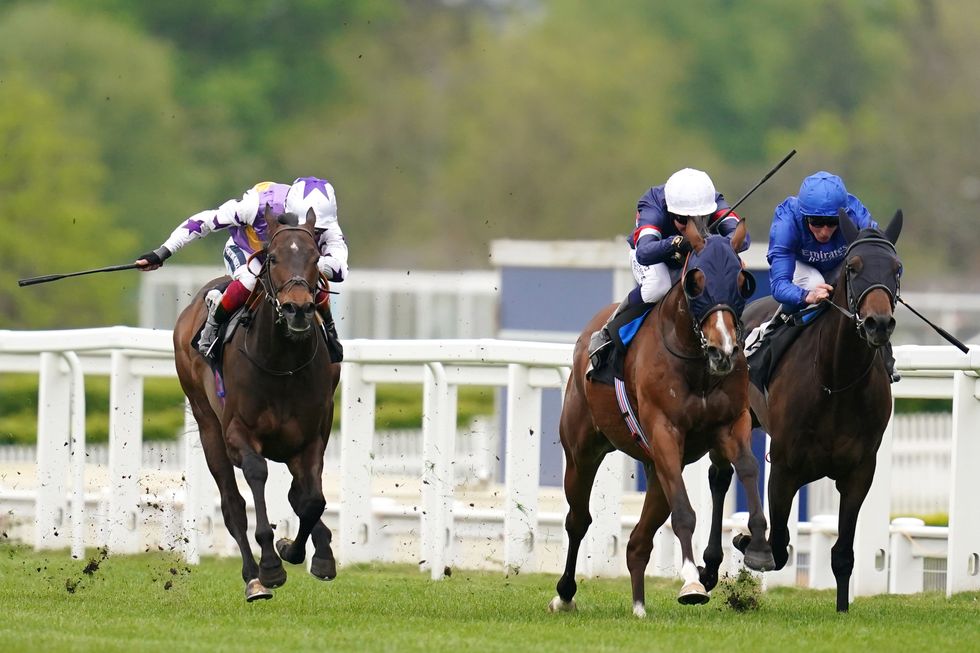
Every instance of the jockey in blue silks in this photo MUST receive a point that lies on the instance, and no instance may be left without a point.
(657, 245)
(806, 248)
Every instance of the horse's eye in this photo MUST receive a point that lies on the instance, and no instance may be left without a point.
(272, 259)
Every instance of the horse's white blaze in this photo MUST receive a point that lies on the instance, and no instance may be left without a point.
(727, 341)
(294, 247)
(689, 572)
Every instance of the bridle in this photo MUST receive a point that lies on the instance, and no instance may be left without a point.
(269, 286)
(272, 296)
(854, 301)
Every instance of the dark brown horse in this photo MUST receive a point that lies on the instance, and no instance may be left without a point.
(279, 384)
(829, 397)
(686, 377)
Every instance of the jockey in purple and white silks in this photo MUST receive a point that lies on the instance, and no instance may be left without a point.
(244, 219)
(658, 247)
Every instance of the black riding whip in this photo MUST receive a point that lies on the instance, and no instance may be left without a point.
(55, 277)
(753, 189)
(941, 331)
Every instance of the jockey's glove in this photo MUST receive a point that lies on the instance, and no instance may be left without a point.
(157, 256)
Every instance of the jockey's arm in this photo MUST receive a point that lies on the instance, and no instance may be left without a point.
(333, 252)
(782, 265)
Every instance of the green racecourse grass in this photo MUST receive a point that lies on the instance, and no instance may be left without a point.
(155, 602)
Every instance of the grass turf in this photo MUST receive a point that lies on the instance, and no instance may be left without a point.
(156, 602)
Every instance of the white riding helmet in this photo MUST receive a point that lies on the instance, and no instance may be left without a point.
(690, 192)
(311, 192)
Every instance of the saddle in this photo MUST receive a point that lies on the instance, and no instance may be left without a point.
(764, 360)
(622, 330)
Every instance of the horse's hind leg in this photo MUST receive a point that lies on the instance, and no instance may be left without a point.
(232, 502)
(583, 457)
(719, 479)
(652, 516)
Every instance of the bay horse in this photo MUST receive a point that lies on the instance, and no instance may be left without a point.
(276, 403)
(829, 397)
(686, 375)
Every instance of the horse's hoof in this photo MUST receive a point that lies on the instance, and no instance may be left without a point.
(693, 594)
(639, 610)
(558, 605)
(254, 590)
(272, 576)
(741, 542)
(283, 545)
(760, 560)
(323, 568)
(709, 580)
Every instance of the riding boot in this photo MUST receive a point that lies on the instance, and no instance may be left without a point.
(753, 341)
(209, 332)
(889, 357)
(334, 347)
(601, 341)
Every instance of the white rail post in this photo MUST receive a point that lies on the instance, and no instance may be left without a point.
(522, 457)
(963, 557)
(77, 454)
(356, 440)
(871, 541)
(904, 568)
(603, 550)
(125, 455)
(823, 534)
(53, 452)
(438, 475)
(198, 517)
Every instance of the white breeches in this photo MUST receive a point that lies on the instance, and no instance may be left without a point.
(808, 277)
(239, 267)
(653, 280)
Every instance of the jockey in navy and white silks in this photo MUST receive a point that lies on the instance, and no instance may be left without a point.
(806, 249)
(658, 247)
(244, 219)
(657, 244)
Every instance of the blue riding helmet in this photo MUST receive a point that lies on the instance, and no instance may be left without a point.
(822, 194)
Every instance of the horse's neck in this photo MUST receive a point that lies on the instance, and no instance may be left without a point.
(848, 349)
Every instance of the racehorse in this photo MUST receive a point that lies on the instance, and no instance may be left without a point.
(276, 403)
(686, 376)
(829, 396)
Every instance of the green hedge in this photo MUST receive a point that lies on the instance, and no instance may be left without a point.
(398, 406)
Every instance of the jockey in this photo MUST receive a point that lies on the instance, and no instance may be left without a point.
(658, 247)
(806, 249)
(244, 220)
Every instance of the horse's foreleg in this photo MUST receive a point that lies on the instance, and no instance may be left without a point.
(652, 516)
(306, 498)
(580, 472)
(853, 490)
(719, 478)
(782, 489)
(256, 472)
(683, 520)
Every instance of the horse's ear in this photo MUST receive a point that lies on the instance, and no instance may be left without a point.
(847, 226)
(270, 221)
(738, 238)
(310, 222)
(894, 227)
(693, 233)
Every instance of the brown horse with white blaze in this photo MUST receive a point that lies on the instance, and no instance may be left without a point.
(686, 378)
(277, 403)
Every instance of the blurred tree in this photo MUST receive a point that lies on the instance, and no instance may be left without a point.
(54, 221)
(116, 87)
